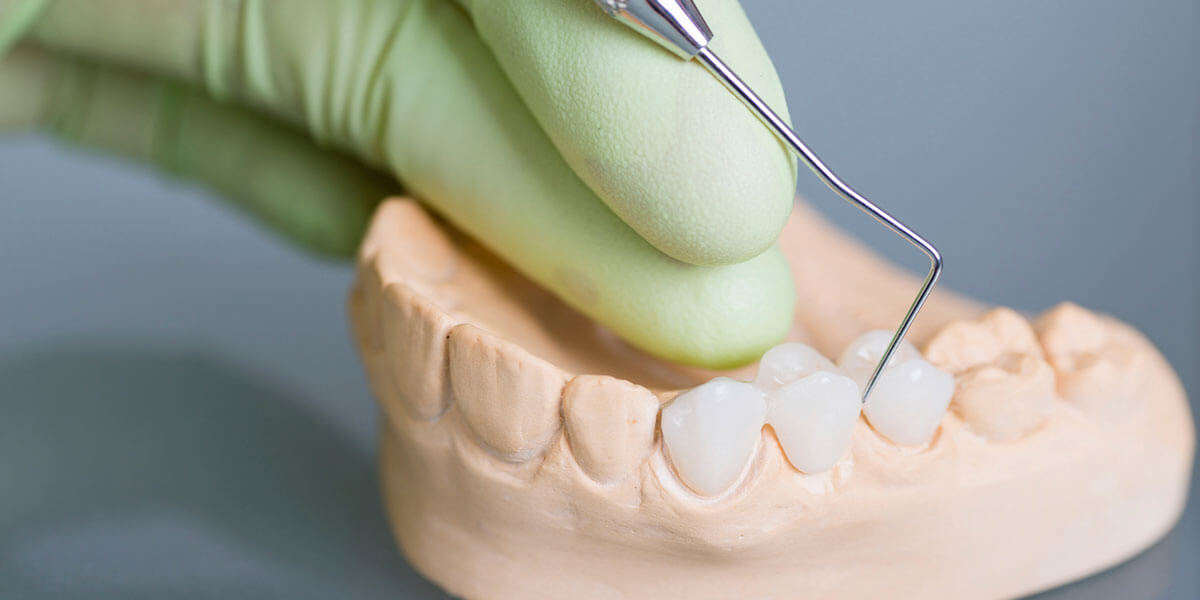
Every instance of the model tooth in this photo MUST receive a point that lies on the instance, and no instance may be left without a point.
(417, 247)
(367, 299)
(814, 418)
(414, 339)
(1012, 331)
(1005, 388)
(1070, 332)
(508, 398)
(859, 359)
(610, 425)
(711, 431)
(356, 303)
(961, 345)
(1097, 369)
(964, 344)
(909, 401)
(1004, 402)
(786, 363)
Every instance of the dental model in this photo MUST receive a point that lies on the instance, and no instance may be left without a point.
(529, 453)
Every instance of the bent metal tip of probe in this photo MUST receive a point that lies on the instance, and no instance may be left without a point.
(678, 26)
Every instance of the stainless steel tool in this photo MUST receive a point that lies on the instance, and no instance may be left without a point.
(678, 26)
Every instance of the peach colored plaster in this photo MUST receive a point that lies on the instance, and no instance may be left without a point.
(521, 456)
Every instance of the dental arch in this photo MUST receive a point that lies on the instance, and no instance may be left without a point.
(579, 472)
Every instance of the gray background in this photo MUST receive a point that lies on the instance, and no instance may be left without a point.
(182, 415)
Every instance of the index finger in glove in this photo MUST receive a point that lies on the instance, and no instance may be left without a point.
(660, 140)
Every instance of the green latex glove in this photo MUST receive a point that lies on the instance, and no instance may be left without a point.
(595, 162)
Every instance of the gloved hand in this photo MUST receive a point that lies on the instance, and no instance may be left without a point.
(628, 182)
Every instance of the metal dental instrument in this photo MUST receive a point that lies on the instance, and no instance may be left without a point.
(678, 26)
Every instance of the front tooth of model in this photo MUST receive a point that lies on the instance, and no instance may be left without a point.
(814, 419)
(415, 331)
(860, 357)
(786, 363)
(909, 401)
(508, 398)
(710, 432)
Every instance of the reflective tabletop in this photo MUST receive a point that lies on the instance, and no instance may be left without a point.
(183, 415)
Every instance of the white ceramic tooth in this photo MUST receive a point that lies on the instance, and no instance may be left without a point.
(860, 357)
(909, 401)
(509, 398)
(710, 432)
(610, 424)
(814, 418)
(786, 363)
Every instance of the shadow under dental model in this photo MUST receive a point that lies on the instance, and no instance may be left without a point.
(134, 470)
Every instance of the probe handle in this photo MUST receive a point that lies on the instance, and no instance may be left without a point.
(674, 24)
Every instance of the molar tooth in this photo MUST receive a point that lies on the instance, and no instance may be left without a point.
(711, 430)
(1004, 402)
(610, 425)
(962, 345)
(414, 338)
(786, 363)
(814, 418)
(909, 401)
(1069, 332)
(1013, 331)
(508, 398)
(1097, 369)
(1005, 388)
(860, 357)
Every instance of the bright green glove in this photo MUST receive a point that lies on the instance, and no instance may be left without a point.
(410, 87)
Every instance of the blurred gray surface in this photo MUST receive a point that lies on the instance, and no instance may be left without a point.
(182, 415)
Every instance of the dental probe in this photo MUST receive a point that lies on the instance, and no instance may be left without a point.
(678, 26)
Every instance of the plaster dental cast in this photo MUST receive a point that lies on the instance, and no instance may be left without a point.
(615, 360)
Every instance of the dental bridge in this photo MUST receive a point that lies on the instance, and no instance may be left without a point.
(678, 26)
